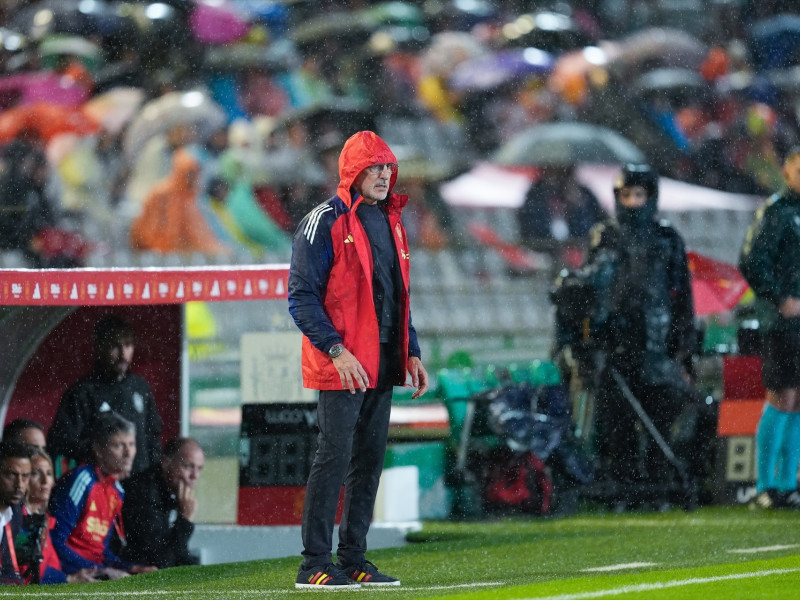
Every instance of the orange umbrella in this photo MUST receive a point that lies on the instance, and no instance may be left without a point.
(716, 286)
(45, 120)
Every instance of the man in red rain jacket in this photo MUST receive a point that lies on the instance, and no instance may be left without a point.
(349, 296)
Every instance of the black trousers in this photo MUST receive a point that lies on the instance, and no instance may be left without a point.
(353, 430)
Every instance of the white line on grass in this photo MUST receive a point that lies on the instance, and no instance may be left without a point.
(260, 593)
(763, 549)
(648, 587)
(619, 567)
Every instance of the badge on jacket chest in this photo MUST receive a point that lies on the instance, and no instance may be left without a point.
(138, 402)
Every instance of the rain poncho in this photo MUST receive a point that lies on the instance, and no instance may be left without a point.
(171, 221)
(253, 221)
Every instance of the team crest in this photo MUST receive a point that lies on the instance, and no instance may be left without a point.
(138, 402)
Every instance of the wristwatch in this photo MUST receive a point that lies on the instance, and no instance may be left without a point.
(335, 350)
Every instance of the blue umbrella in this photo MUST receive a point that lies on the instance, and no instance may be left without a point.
(775, 42)
(491, 71)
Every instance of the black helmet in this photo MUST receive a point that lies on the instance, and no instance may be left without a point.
(646, 177)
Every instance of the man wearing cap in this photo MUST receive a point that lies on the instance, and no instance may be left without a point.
(349, 296)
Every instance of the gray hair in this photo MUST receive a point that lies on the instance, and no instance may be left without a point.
(107, 424)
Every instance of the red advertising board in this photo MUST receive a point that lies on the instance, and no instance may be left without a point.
(104, 287)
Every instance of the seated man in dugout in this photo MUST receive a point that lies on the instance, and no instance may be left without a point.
(87, 502)
(25, 431)
(160, 506)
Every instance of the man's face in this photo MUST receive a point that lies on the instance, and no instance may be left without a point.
(116, 457)
(373, 182)
(117, 354)
(33, 437)
(185, 467)
(791, 172)
(633, 196)
(15, 473)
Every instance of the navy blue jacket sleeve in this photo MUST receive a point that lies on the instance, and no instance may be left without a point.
(413, 343)
(312, 258)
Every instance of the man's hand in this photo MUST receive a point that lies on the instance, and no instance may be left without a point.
(351, 372)
(112, 573)
(419, 376)
(136, 569)
(83, 576)
(790, 307)
(187, 503)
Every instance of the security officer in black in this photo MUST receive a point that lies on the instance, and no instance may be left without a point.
(642, 319)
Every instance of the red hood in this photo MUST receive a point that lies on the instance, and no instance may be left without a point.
(361, 150)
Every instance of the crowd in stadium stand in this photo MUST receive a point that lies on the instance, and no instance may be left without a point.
(186, 127)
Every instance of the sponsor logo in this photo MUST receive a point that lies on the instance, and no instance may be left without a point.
(97, 526)
(291, 416)
(138, 402)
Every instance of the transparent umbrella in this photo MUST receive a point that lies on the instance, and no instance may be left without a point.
(567, 144)
(194, 108)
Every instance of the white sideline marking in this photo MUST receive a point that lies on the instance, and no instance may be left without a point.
(259, 593)
(619, 567)
(762, 549)
(648, 587)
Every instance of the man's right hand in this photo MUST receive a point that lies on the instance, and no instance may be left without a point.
(187, 503)
(351, 372)
(111, 573)
(83, 576)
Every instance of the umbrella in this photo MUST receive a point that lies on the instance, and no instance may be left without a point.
(491, 71)
(448, 49)
(238, 57)
(566, 144)
(69, 45)
(571, 72)
(716, 286)
(660, 47)
(394, 13)
(332, 24)
(551, 31)
(775, 42)
(43, 86)
(463, 16)
(158, 116)
(674, 83)
(53, 16)
(338, 115)
(218, 23)
(273, 14)
(46, 120)
(114, 108)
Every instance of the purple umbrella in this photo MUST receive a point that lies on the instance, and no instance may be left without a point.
(218, 23)
(491, 71)
(43, 86)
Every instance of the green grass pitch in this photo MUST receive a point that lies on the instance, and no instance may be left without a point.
(714, 552)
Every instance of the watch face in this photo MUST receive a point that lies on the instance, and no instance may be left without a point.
(336, 350)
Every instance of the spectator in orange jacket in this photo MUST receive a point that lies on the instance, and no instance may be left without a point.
(171, 221)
